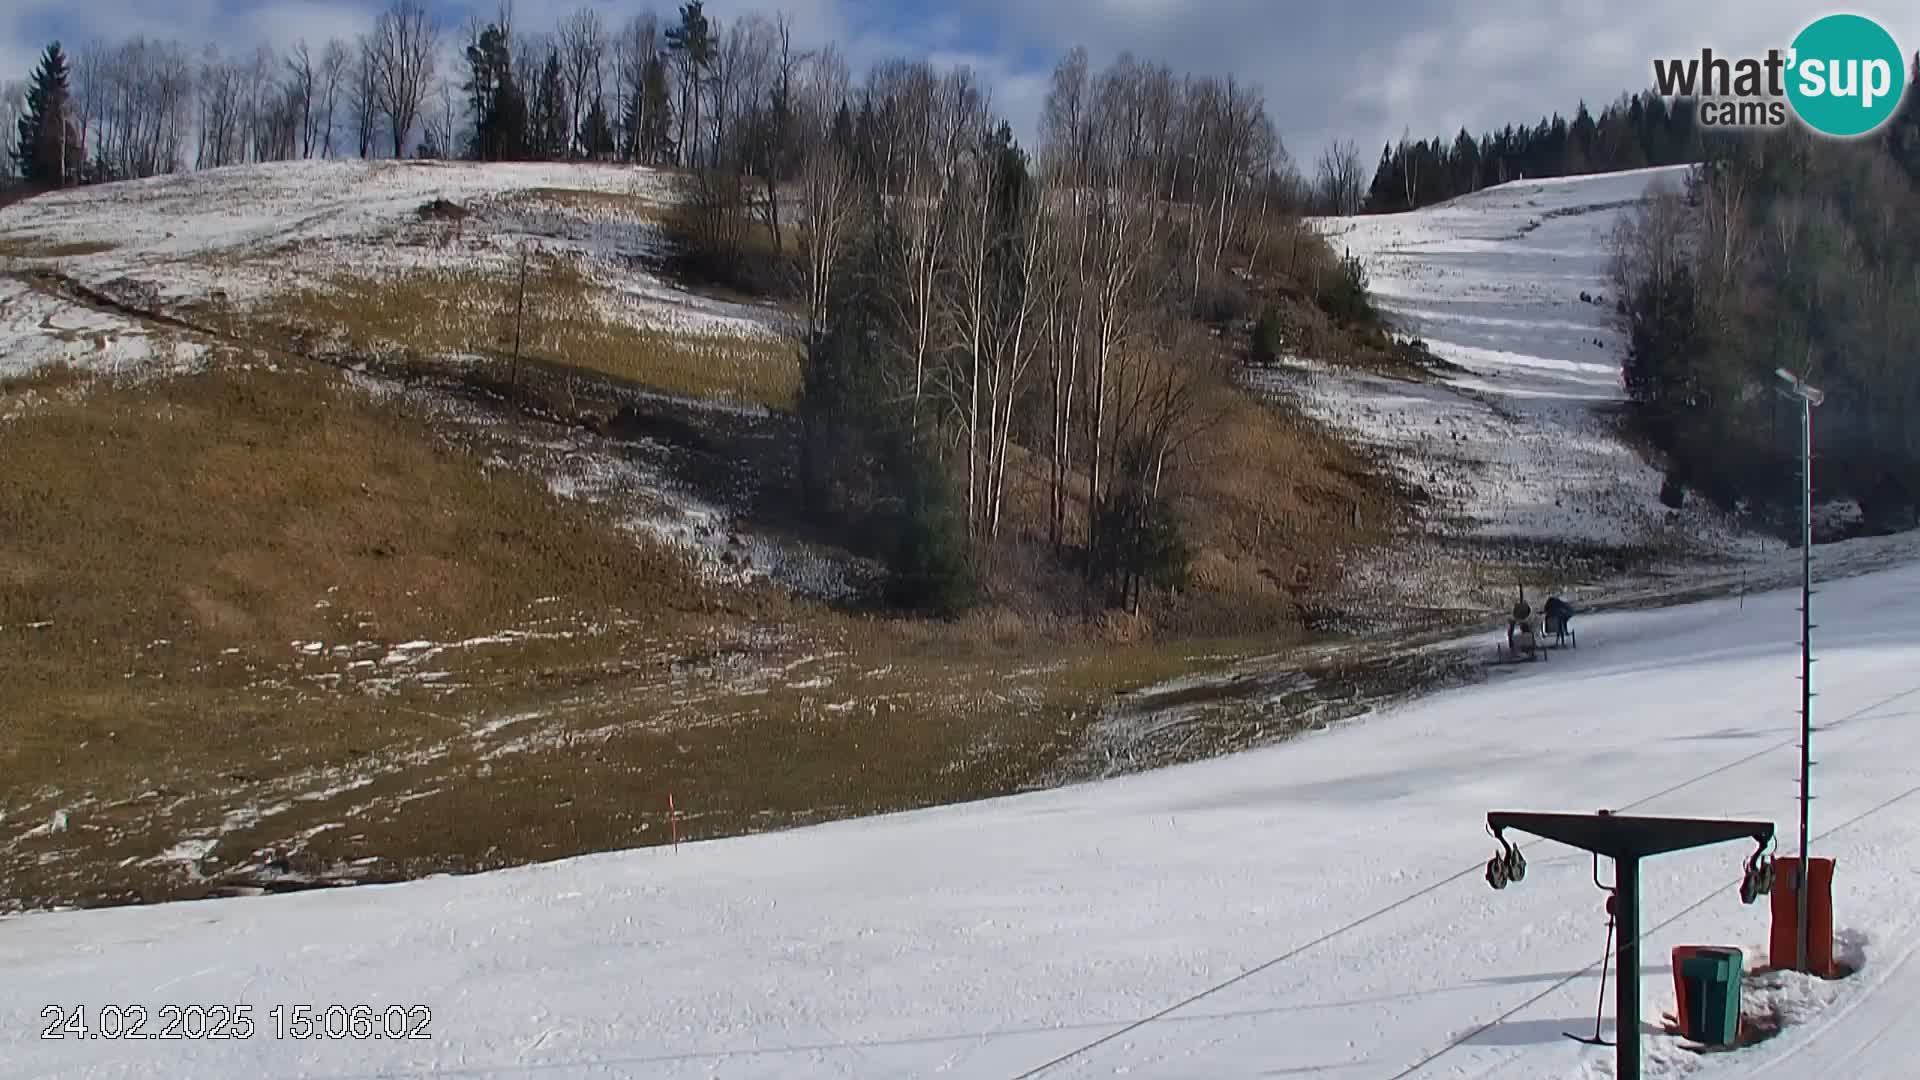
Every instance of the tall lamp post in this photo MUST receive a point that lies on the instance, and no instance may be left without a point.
(1796, 388)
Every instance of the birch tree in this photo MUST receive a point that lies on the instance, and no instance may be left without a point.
(933, 113)
(1066, 149)
(1123, 239)
(967, 295)
(828, 197)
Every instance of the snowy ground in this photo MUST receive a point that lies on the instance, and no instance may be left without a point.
(37, 330)
(237, 236)
(1339, 874)
(1519, 444)
(197, 244)
(1493, 282)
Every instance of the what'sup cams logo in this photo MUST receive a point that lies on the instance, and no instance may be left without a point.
(1843, 76)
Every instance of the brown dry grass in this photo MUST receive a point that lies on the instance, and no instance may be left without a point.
(249, 508)
(595, 204)
(164, 547)
(169, 544)
(450, 314)
(1267, 501)
(46, 379)
(34, 247)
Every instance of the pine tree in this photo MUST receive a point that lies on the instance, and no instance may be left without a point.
(49, 152)
(1656, 132)
(842, 133)
(656, 130)
(1580, 142)
(1466, 163)
(547, 135)
(693, 41)
(1385, 190)
(1903, 130)
(1554, 153)
(596, 133)
(499, 109)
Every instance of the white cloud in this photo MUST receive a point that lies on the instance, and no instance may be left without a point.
(1363, 69)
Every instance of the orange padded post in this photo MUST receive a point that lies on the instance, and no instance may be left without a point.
(1784, 944)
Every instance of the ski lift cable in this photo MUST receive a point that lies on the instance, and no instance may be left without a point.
(1455, 1044)
(1477, 867)
(1249, 973)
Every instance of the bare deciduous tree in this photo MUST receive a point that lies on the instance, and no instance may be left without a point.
(1649, 248)
(334, 65)
(1066, 148)
(90, 71)
(967, 298)
(1122, 244)
(405, 41)
(637, 44)
(363, 94)
(1342, 184)
(829, 206)
(741, 72)
(582, 39)
(1022, 335)
(933, 113)
(301, 82)
(780, 132)
(145, 98)
(13, 105)
(220, 100)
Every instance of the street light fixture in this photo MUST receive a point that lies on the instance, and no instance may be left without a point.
(1794, 387)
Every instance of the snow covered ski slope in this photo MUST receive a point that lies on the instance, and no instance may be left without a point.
(1518, 442)
(1318, 906)
(237, 237)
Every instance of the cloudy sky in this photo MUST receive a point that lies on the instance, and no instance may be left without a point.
(1331, 69)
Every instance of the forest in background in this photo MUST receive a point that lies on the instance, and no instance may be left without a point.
(1049, 335)
(1635, 132)
(1019, 363)
(1784, 250)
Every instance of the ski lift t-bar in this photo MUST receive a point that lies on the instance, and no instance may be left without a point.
(1626, 840)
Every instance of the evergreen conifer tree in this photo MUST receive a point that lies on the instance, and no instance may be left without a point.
(49, 152)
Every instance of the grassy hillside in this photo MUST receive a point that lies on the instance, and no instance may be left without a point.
(263, 616)
(270, 618)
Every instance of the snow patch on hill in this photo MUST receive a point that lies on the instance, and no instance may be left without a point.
(238, 236)
(38, 331)
(1521, 439)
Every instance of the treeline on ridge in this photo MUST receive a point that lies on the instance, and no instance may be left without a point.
(1783, 250)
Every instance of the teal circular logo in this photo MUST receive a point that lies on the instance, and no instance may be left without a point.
(1845, 75)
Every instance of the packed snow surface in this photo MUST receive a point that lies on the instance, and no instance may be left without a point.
(1518, 439)
(1340, 874)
